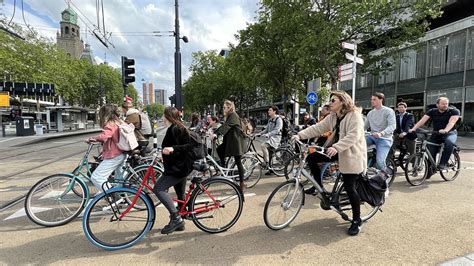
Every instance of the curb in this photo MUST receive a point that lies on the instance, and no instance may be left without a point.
(41, 139)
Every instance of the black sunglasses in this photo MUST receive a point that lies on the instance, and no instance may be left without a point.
(333, 100)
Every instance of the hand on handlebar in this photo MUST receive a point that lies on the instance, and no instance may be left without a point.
(411, 130)
(295, 138)
(331, 151)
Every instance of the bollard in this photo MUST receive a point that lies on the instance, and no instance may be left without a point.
(155, 140)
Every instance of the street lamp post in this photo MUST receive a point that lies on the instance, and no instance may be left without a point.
(177, 59)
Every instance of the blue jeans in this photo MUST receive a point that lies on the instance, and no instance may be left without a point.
(105, 169)
(383, 148)
(449, 141)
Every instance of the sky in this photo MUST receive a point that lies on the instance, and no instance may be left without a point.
(208, 24)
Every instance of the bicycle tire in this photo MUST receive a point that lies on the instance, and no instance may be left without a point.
(279, 158)
(77, 196)
(290, 191)
(104, 213)
(367, 211)
(253, 170)
(419, 163)
(392, 166)
(200, 197)
(456, 167)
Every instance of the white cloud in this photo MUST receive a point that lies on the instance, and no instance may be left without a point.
(209, 24)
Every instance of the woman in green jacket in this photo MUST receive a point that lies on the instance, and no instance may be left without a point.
(233, 143)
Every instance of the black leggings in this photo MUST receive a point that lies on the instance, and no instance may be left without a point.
(350, 181)
(237, 158)
(313, 160)
(164, 183)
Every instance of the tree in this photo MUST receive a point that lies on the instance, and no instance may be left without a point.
(155, 110)
(37, 59)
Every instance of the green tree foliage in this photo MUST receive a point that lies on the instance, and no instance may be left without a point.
(155, 110)
(292, 42)
(37, 59)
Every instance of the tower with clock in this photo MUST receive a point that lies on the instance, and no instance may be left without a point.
(69, 36)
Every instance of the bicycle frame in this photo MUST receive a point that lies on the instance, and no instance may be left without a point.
(427, 153)
(183, 211)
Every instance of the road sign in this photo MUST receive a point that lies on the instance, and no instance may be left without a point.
(314, 85)
(4, 99)
(312, 97)
(346, 66)
(347, 77)
(345, 72)
(358, 60)
(349, 46)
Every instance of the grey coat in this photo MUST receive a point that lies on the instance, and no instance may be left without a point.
(273, 130)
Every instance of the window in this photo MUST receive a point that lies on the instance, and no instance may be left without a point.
(456, 51)
(454, 95)
(388, 74)
(412, 63)
(446, 54)
(470, 94)
(437, 57)
(470, 52)
(66, 30)
(364, 80)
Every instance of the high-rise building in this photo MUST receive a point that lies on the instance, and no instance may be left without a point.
(145, 94)
(160, 96)
(151, 94)
(69, 39)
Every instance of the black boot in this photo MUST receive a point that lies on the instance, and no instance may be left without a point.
(175, 223)
(311, 191)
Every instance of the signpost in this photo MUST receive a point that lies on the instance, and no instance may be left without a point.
(313, 86)
(345, 72)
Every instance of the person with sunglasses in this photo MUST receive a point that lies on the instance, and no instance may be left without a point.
(346, 144)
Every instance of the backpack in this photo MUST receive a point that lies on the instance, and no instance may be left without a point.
(127, 139)
(198, 152)
(285, 130)
(372, 186)
(146, 127)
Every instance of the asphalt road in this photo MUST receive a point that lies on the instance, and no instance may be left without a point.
(428, 224)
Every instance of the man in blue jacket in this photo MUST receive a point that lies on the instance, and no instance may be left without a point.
(401, 136)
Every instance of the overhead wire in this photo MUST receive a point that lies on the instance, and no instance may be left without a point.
(14, 10)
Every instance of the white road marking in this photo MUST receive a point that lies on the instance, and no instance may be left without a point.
(21, 212)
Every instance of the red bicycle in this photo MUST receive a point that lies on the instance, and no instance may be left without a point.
(120, 217)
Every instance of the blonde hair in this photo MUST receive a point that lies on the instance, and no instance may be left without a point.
(231, 106)
(346, 101)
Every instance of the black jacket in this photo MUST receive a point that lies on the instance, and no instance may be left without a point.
(408, 121)
(179, 163)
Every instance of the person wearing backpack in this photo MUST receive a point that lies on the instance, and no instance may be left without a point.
(273, 133)
(285, 130)
(346, 144)
(233, 143)
(109, 119)
(177, 163)
(132, 116)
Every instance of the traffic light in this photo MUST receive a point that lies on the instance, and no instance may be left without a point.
(128, 69)
(173, 99)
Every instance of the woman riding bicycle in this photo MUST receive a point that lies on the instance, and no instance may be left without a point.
(109, 119)
(346, 144)
(177, 166)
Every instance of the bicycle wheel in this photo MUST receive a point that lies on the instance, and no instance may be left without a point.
(416, 169)
(209, 216)
(283, 205)
(454, 166)
(290, 165)
(136, 179)
(367, 211)
(253, 170)
(102, 226)
(279, 159)
(56, 200)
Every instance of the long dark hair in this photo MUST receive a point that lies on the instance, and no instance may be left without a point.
(108, 113)
(172, 115)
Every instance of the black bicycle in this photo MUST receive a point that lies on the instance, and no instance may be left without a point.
(419, 164)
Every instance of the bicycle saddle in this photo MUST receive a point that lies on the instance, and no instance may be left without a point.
(201, 167)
